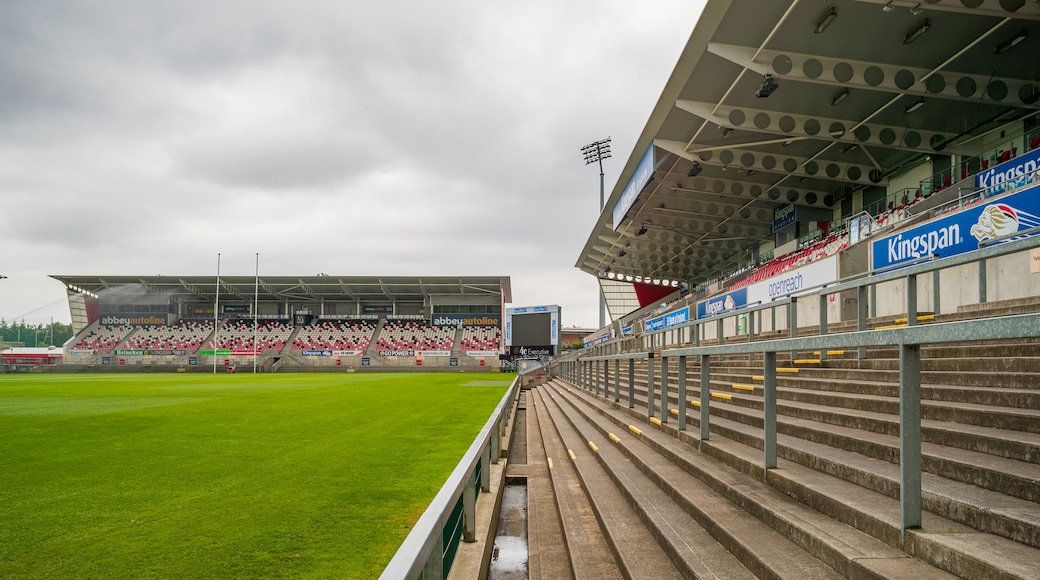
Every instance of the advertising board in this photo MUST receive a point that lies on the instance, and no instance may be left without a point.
(959, 232)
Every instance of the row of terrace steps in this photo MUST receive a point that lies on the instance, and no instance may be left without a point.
(978, 474)
(862, 492)
(669, 510)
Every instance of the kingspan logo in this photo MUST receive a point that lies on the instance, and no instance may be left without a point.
(926, 244)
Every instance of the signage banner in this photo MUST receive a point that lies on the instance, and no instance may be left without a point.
(453, 362)
(244, 353)
(134, 319)
(491, 319)
(80, 351)
(168, 352)
(482, 353)
(433, 353)
(794, 281)
(644, 171)
(721, 304)
(1008, 172)
(784, 216)
(668, 319)
(546, 350)
(626, 331)
(316, 352)
(219, 352)
(397, 352)
(235, 308)
(346, 352)
(131, 352)
(532, 309)
(377, 309)
(960, 232)
(365, 361)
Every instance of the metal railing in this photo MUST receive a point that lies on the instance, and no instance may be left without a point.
(592, 373)
(430, 547)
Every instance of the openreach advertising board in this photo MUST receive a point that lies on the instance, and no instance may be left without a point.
(533, 331)
(792, 282)
(960, 232)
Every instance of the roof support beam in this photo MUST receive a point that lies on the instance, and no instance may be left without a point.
(882, 77)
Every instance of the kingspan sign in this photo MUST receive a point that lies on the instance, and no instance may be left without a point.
(723, 303)
(961, 232)
(1009, 173)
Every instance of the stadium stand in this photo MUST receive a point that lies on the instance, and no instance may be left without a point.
(185, 335)
(656, 490)
(414, 334)
(327, 334)
(271, 334)
(103, 338)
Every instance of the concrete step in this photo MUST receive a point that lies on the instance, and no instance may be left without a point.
(874, 513)
(730, 530)
(547, 554)
(1011, 517)
(635, 549)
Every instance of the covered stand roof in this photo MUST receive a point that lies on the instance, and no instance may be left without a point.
(365, 289)
(858, 91)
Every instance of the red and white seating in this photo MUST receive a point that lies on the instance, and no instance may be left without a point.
(413, 334)
(103, 338)
(335, 335)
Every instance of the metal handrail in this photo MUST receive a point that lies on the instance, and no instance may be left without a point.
(412, 556)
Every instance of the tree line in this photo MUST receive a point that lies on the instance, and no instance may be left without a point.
(44, 334)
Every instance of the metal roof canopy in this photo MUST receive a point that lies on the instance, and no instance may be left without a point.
(314, 289)
(842, 118)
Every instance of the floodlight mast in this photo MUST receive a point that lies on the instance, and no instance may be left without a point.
(595, 153)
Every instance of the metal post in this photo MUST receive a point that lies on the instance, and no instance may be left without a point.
(873, 299)
(469, 510)
(751, 333)
(631, 383)
(792, 323)
(697, 334)
(496, 443)
(485, 474)
(705, 395)
(664, 390)
(911, 300)
(823, 322)
(769, 409)
(935, 292)
(909, 438)
(719, 331)
(982, 281)
(650, 385)
(861, 317)
(617, 380)
(682, 404)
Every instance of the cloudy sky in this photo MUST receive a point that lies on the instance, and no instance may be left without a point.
(352, 138)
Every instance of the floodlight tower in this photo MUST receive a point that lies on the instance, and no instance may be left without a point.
(596, 153)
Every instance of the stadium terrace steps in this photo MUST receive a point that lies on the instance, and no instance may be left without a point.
(861, 493)
(769, 533)
(838, 443)
(545, 528)
(637, 553)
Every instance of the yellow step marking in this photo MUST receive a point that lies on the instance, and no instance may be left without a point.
(830, 352)
(593, 447)
(722, 396)
(655, 421)
(674, 412)
(744, 387)
(758, 378)
(891, 326)
(613, 438)
(806, 361)
(635, 429)
(571, 453)
(919, 318)
(695, 403)
(786, 370)
(550, 462)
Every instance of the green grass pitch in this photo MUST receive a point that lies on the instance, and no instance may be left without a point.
(210, 476)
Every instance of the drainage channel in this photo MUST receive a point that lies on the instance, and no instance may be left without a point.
(509, 555)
